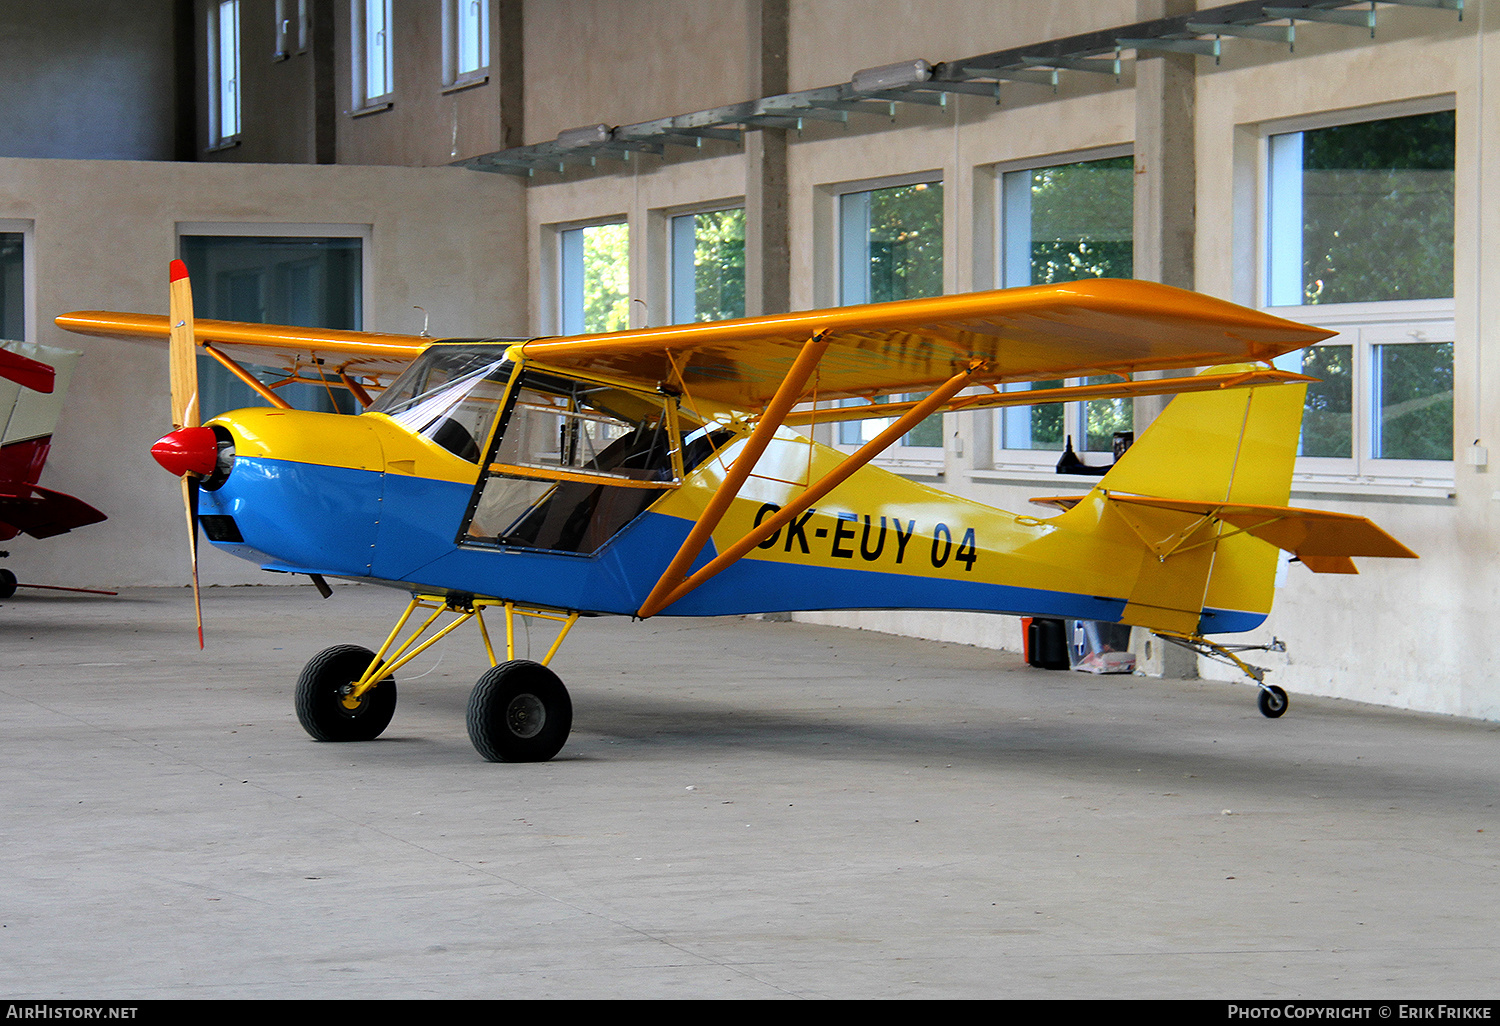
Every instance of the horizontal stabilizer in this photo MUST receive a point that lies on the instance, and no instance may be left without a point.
(1323, 540)
(43, 513)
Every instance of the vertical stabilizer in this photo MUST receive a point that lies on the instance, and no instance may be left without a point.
(1238, 445)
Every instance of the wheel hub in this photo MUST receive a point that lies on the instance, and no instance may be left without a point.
(525, 716)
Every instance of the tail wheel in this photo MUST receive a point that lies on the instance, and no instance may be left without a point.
(324, 706)
(7, 583)
(519, 712)
(1272, 701)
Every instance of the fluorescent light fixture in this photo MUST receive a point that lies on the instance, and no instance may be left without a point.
(891, 76)
(589, 135)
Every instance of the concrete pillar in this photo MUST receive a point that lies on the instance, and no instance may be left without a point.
(1165, 229)
(511, 59)
(1165, 170)
(767, 237)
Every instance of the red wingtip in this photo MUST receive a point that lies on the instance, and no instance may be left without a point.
(179, 270)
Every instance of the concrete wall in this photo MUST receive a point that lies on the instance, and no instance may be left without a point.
(426, 123)
(102, 234)
(618, 62)
(90, 78)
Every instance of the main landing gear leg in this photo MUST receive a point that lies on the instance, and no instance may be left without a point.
(518, 712)
(1272, 700)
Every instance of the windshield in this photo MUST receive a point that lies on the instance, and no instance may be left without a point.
(450, 395)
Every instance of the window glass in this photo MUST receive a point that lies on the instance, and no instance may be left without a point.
(12, 294)
(375, 45)
(1414, 401)
(891, 248)
(307, 282)
(1058, 224)
(1032, 427)
(1362, 213)
(1103, 418)
(928, 434)
(226, 48)
(708, 266)
(595, 279)
(1328, 414)
(1068, 221)
(892, 243)
(472, 36)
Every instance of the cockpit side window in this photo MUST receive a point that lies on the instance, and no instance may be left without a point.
(573, 464)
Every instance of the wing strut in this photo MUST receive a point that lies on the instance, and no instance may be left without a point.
(770, 421)
(248, 378)
(667, 592)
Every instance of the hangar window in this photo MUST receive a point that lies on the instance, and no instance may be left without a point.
(466, 42)
(594, 278)
(1059, 223)
(708, 266)
(224, 73)
(373, 62)
(890, 248)
(292, 28)
(1360, 224)
(12, 286)
(311, 282)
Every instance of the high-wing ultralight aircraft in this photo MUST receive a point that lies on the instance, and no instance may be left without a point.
(33, 380)
(658, 471)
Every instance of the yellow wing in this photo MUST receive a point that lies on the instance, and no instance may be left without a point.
(1099, 326)
(1093, 327)
(294, 350)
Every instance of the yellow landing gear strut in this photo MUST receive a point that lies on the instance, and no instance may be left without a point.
(1272, 699)
(519, 710)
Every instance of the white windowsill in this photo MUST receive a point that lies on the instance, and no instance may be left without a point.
(465, 83)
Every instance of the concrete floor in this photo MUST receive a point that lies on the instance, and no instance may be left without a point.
(745, 809)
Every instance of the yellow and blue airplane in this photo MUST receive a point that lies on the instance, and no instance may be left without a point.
(660, 471)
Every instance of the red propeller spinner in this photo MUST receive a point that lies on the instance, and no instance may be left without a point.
(188, 450)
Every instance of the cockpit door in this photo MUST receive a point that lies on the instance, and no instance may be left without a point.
(572, 464)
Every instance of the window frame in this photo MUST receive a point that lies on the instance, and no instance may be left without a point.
(918, 460)
(25, 229)
(241, 229)
(292, 29)
(1362, 326)
(565, 288)
(363, 63)
(224, 125)
(677, 273)
(1006, 275)
(455, 76)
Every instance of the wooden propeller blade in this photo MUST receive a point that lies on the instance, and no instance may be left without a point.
(183, 350)
(190, 503)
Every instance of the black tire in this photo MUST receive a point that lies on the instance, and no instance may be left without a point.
(7, 583)
(519, 712)
(1272, 701)
(320, 697)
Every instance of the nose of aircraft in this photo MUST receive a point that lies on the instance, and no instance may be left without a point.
(187, 450)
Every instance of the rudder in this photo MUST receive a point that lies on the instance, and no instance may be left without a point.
(1237, 445)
